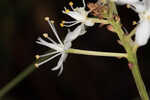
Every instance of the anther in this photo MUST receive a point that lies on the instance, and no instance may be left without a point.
(128, 6)
(67, 11)
(46, 18)
(71, 3)
(45, 35)
(37, 56)
(134, 23)
(61, 25)
(36, 65)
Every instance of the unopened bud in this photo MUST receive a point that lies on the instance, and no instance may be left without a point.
(110, 28)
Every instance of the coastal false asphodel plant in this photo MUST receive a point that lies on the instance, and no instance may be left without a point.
(104, 12)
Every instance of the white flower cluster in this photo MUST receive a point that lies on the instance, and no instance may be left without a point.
(142, 7)
(80, 16)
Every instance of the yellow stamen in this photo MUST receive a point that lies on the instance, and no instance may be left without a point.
(45, 35)
(71, 3)
(37, 56)
(46, 18)
(134, 23)
(36, 65)
(67, 11)
(61, 24)
(128, 6)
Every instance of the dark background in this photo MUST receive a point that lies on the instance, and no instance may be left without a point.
(84, 77)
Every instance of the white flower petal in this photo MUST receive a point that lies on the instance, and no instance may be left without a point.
(71, 36)
(139, 7)
(142, 33)
(48, 54)
(76, 15)
(61, 70)
(50, 45)
(54, 31)
(147, 4)
(126, 1)
(67, 45)
(41, 63)
(88, 22)
(60, 62)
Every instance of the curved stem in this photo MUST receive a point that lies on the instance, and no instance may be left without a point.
(96, 53)
(16, 80)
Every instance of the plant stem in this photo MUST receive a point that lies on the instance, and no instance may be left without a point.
(16, 80)
(139, 82)
(131, 49)
(96, 20)
(96, 53)
(133, 60)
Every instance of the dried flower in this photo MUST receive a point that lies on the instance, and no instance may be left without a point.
(99, 10)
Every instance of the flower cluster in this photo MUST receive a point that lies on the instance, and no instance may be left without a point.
(142, 34)
(59, 49)
(80, 16)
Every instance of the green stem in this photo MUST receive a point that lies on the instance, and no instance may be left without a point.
(139, 82)
(97, 53)
(16, 80)
(131, 51)
(132, 33)
(133, 60)
(96, 20)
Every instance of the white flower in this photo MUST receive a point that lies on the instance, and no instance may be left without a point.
(58, 48)
(71, 36)
(79, 14)
(142, 34)
(125, 1)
